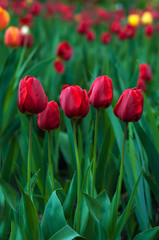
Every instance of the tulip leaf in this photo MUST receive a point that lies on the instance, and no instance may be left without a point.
(66, 233)
(53, 218)
(151, 234)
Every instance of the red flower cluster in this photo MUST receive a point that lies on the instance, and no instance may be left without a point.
(64, 52)
(145, 75)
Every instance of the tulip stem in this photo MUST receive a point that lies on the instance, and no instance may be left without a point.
(78, 177)
(122, 165)
(29, 155)
(95, 153)
(50, 163)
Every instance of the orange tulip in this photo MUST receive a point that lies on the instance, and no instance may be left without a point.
(4, 18)
(12, 37)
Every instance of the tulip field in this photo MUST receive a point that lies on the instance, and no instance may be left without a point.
(79, 117)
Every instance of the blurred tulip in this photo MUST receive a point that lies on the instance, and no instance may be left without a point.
(4, 18)
(12, 37)
(49, 119)
(90, 35)
(129, 107)
(26, 39)
(74, 101)
(141, 84)
(101, 92)
(83, 26)
(115, 27)
(149, 30)
(26, 20)
(145, 72)
(31, 96)
(59, 66)
(36, 8)
(130, 31)
(64, 51)
(106, 38)
(134, 19)
(147, 18)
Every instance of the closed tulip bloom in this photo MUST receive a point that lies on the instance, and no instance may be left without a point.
(101, 92)
(31, 96)
(59, 66)
(115, 27)
(64, 51)
(141, 84)
(149, 30)
(36, 8)
(4, 18)
(130, 31)
(49, 119)
(74, 101)
(90, 35)
(129, 107)
(145, 72)
(12, 37)
(106, 38)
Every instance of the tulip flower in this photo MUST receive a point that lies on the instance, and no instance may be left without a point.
(36, 8)
(59, 66)
(12, 37)
(134, 19)
(145, 72)
(100, 96)
(83, 26)
(74, 102)
(90, 35)
(106, 38)
(130, 31)
(31, 99)
(101, 92)
(49, 120)
(149, 30)
(115, 27)
(141, 84)
(31, 96)
(129, 106)
(64, 51)
(4, 18)
(147, 18)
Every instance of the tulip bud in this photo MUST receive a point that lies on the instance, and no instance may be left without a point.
(141, 84)
(90, 35)
(145, 72)
(101, 92)
(129, 107)
(64, 51)
(12, 37)
(74, 101)
(31, 96)
(4, 18)
(115, 27)
(49, 119)
(130, 31)
(59, 66)
(106, 38)
(149, 30)
(36, 8)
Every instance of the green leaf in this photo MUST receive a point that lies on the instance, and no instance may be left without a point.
(9, 193)
(66, 233)
(151, 234)
(28, 216)
(53, 218)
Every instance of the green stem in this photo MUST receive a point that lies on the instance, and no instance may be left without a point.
(29, 155)
(78, 177)
(122, 165)
(50, 164)
(95, 152)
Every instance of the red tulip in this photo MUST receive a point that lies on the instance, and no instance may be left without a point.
(59, 66)
(106, 38)
(149, 30)
(122, 35)
(90, 35)
(129, 107)
(130, 31)
(141, 84)
(101, 92)
(74, 101)
(49, 119)
(64, 51)
(145, 72)
(83, 26)
(36, 8)
(115, 27)
(26, 20)
(31, 96)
